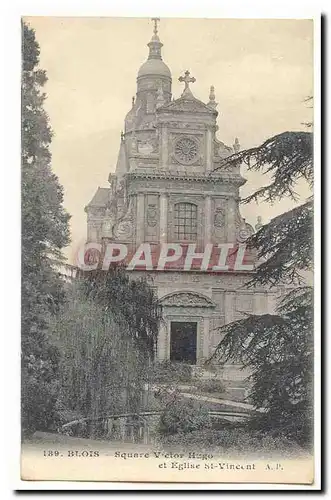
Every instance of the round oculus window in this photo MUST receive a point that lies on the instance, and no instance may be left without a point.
(186, 150)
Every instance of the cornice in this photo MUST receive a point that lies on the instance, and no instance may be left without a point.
(236, 179)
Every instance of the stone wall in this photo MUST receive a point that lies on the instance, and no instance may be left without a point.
(215, 300)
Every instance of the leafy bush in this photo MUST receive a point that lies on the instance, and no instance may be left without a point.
(39, 386)
(38, 405)
(181, 415)
(232, 439)
(166, 372)
(212, 385)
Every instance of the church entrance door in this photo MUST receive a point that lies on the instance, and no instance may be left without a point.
(183, 343)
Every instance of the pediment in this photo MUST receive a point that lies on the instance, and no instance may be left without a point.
(186, 105)
(186, 299)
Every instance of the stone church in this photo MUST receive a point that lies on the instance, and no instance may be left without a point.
(171, 184)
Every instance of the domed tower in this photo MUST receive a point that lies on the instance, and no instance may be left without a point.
(153, 86)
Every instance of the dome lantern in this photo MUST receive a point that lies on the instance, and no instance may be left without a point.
(154, 66)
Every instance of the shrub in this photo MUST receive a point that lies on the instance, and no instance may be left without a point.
(233, 439)
(39, 389)
(211, 385)
(166, 372)
(38, 405)
(182, 416)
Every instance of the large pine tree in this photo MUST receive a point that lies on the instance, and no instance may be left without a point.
(45, 232)
(278, 348)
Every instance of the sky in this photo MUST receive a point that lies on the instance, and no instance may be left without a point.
(262, 71)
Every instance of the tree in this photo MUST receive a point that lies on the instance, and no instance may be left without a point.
(131, 302)
(45, 232)
(106, 332)
(278, 348)
(286, 243)
(101, 370)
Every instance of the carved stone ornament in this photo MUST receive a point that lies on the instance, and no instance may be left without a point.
(151, 215)
(222, 150)
(238, 219)
(219, 218)
(186, 299)
(100, 211)
(189, 106)
(108, 224)
(123, 229)
(183, 125)
(186, 150)
(145, 147)
(244, 232)
(148, 143)
(95, 224)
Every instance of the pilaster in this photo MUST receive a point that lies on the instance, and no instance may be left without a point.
(231, 219)
(140, 218)
(164, 147)
(206, 339)
(207, 221)
(229, 306)
(162, 343)
(209, 139)
(163, 217)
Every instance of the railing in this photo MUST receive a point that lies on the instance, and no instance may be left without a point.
(131, 427)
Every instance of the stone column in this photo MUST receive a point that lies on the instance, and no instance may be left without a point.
(207, 219)
(163, 217)
(140, 218)
(162, 342)
(229, 306)
(231, 219)
(209, 149)
(164, 147)
(206, 339)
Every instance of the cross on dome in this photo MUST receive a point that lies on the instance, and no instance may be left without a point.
(154, 67)
(155, 20)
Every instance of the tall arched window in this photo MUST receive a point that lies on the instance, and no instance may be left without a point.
(186, 221)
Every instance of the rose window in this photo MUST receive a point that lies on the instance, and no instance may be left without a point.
(186, 150)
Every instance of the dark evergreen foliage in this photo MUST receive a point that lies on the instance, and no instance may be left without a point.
(287, 157)
(45, 232)
(285, 246)
(278, 349)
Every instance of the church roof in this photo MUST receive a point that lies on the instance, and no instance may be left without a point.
(183, 104)
(101, 198)
(121, 168)
(154, 67)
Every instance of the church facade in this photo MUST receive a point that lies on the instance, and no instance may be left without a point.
(172, 185)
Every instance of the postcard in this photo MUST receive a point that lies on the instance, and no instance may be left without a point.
(167, 250)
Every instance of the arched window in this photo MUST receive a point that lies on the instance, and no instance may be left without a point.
(186, 221)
